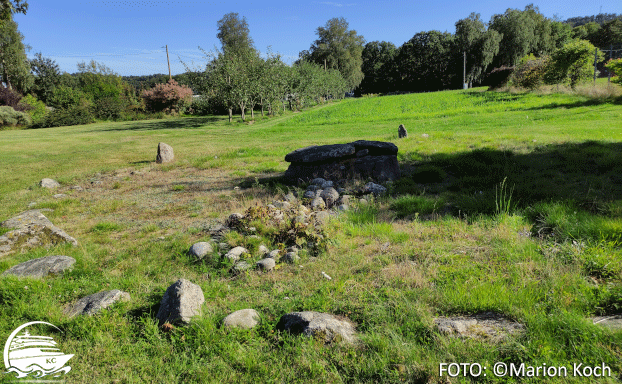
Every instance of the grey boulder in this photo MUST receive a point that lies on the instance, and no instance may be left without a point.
(31, 229)
(180, 303)
(49, 183)
(165, 153)
(244, 318)
(266, 264)
(324, 326)
(43, 266)
(200, 250)
(94, 303)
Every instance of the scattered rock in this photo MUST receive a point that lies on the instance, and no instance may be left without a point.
(317, 203)
(234, 219)
(330, 196)
(317, 182)
(343, 207)
(266, 264)
(181, 301)
(425, 135)
(274, 254)
(282, 205)
(94, 303)
(374, 189)
(49, 183)
(309, 194)
(291, 257)
(326, 276)
(165, 153)
(31, 229)
(41, 267)
(244, 318)
(315, 187)
(290, 198)
(324, 326)
(326, 184)
(321, 217)
(401, 132)
(200, 250)
(239, 267)
(486, 325)
(59, 195)
(235, 253)
(262, 250)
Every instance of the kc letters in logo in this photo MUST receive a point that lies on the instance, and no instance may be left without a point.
(28, 355)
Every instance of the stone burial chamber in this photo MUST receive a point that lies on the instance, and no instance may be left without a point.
(360, 159)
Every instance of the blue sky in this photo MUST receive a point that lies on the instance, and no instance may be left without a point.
(129, 36)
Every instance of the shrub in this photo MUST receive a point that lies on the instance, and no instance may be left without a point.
(109, 108)
(499, 77)
(74, 115)
(573, 62)
(64, 97)
(11, 117)
(12, 99)
(169, 97)
(530, 72)
(615, 66)
(38, 111)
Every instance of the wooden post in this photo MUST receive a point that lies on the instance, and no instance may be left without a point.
(169, 64)
(595, 58)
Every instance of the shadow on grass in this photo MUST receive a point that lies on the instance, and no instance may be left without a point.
(570, 190)
(504, 96)
(172, 123)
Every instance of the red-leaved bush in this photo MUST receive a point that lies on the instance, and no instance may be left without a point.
(170, 97)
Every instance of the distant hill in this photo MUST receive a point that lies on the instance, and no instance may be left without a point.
(600, 19)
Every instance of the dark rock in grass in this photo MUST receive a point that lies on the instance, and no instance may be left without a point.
(360, 159)
(376, 148)
(165, 153)
(315, 154)
(374, 189)
(244, 318)
(94, 303)
(49, 183)
(180, 303)
(234, 220)
(309, 195)
(489, 326)
(31, 229)
(324, 326)
(401, 132)
(41, 267)
(266, 264)
(200, 250)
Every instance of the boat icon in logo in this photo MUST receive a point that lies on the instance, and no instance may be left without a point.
(34, 356)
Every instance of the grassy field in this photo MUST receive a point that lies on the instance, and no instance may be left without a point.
(510, 202)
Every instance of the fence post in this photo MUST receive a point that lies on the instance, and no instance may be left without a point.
(595, 58)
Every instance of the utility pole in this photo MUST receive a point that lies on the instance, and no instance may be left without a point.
(169, 64)
(609, 71)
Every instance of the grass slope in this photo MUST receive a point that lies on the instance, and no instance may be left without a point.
(510, 203)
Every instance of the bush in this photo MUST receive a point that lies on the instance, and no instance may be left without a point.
(11, 117)
(12, 99)
(499, 77)
(615, 66)
(64, 97)
(38, 111)
(573, 63)
(201, 106)
(169, 97)
(109, 108)
(530, 72)
(74, 115)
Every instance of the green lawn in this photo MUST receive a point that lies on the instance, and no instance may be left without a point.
(509, 202)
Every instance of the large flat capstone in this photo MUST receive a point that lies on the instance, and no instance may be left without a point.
(91, 304)
(360, 159)
(31, 229)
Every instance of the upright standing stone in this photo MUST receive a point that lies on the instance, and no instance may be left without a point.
(165, 153)
(401, 132)
(180, 302)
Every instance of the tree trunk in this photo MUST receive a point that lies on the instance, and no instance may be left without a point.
(230, 114)
(242, 110)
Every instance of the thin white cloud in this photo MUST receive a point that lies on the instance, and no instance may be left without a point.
(333, 4)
